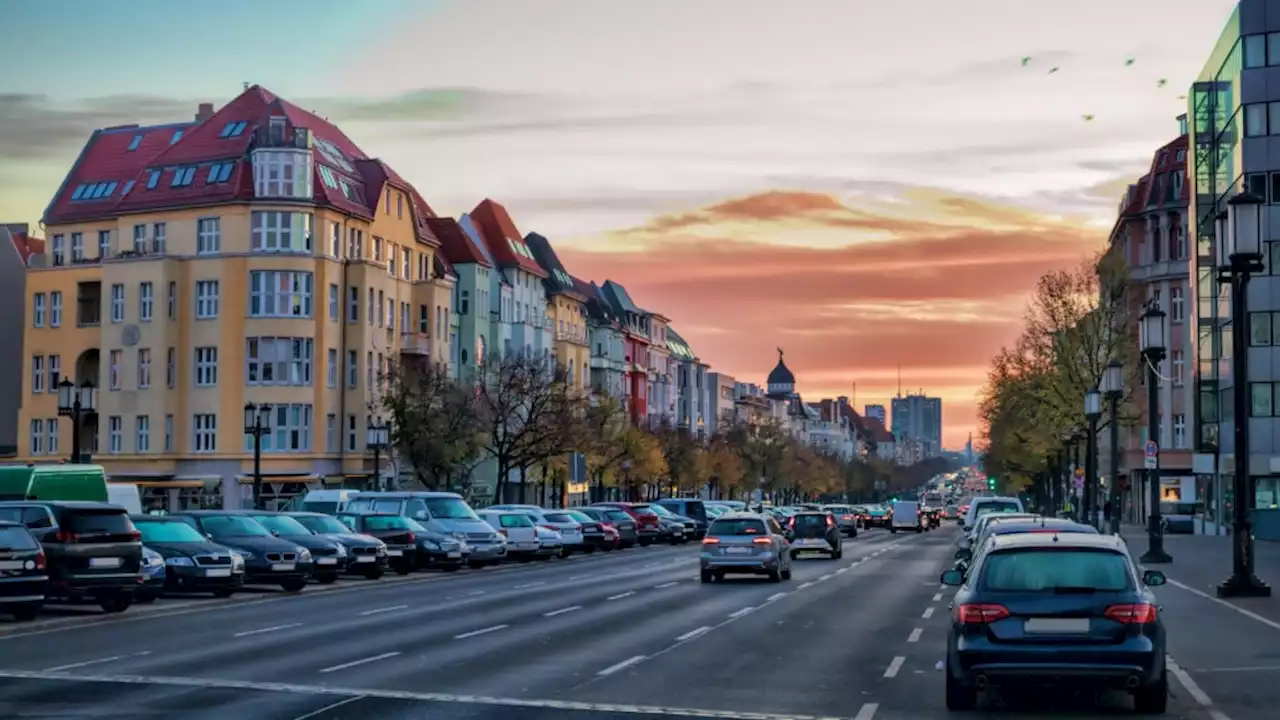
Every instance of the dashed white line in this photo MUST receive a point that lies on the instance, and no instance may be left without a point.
(741, 612)
(775, 596)
(481, 631)
(928, 613)
(937, 597)
(361, 661)
(273, 628)
(379, 611)
(915, 635)
(805, 585)
(842, 570)
(693, 633)
(621, 666)
(894, 666)
(666, 585)
(619, 596)
(99, 661)
(867, 711)
(331, 706)
(562, 611)
(825, 577)
(528, 585)
(578, 577)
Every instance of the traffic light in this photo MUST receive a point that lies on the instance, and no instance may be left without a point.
(991, 483)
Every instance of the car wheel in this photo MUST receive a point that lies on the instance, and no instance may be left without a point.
(959, 697)
(326, 579)
(919, 530)
(893, 531)
(375, 573)
(1153, 699)
(775, 575)
(839, 553)
(116, 603)
(23, 612)
(786, 574)
(144, 598)
(403, 569)
(707, 576)
(294, 586)
(223, 593)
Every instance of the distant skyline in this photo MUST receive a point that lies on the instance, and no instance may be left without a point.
(863, 184)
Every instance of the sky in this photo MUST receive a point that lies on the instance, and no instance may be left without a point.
(873, 187)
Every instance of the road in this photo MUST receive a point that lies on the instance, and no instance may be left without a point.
(629, 635)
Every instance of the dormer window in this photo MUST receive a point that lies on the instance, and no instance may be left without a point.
(137, 140)
(233, 129)
(275, 131)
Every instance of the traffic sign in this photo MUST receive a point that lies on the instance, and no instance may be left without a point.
(1151, 455)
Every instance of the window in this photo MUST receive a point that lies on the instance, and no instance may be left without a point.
(55, 308)
(368, 369)
(113, 369)
(335, 238)
(331, 368)
(182, 176)
(171, 367)
(77, 247)
(232, 129)
(331, 433)
(173, 301)
(355, 244)
(1263, 328)
(133, 144)
(146, 301)
(281, 232)
(351, 433)
(353, 371)
(406, 268)
(142, 434)
(220, 172)
(59, 250)
(115, 434)
(278, 361)
(208, 235)
(157, 238)
(399, 205)
(168, 433)
(37, 373)
(55, 372)
(1262, 399)
(372, 309)
(51, 430)
(333, 302)
(288, 430)
(117, 303)
(282, 173)
(37, 311)
(1255, 120)
(1041, 570)
(1179, 363)
(144, 367)
(104, 244)
(206, 432)
(1178, 310)
(206, 366)
(353, 305)
(206, 299)
(279, 293)
(37, 437)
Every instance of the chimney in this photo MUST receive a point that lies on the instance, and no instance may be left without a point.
(204, 112)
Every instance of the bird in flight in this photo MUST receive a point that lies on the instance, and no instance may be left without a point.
(1129, 61)
(1053, 69)
(1086, 117)
(1162, 82)
(1026, 60)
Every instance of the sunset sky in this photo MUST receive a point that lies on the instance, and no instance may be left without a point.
(864, 184)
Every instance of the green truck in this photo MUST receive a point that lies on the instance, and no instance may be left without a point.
(53, 482)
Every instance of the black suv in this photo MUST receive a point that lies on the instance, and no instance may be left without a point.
(24, 577)
(92, 549)
(815, 531)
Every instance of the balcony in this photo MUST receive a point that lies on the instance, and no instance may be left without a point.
(574, 336)
(415, 343)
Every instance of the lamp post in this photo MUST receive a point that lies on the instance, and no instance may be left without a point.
(75, 402)
(257, 422)
(1152, 343)
(1113, 387)
(1239, 246)
(1092, 411)
(377, 438)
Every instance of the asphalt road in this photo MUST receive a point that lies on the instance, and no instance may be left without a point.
(628, 635)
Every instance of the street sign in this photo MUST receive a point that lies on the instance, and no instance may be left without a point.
(1151, 455)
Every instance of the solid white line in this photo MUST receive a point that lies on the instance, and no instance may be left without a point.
(481, 631)
(937, 597)
(620, 666)
(915, 635)
(775, 596)
(825, 577)
(1247, 613)
(528, 585)
(628, 593)
(867, 712)
(86, 663)
(562, 611)
(377, 611)
(330, 706)
(928, 613)
(578, 577)
(805, 585)
(894, 666)
(741, 612)
(273, 628)
(361, 661)
(1192, 687)
(693, 633)
(842, 570)
(666, 585)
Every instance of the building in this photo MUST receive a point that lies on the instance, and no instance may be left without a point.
(18, 246)
(692, 390)
(525, 307)
(566, 313)
(254, 254)
(918, 418)
(1233, 125)
(662, 391)
(635, 327)
(471, 292)
(877, 412)
(720, 402)
(609, 365)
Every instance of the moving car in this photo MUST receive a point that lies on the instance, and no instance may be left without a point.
(1062, 608)
(980, 506)
(192, 562)
(268, 560)
(815, 532)
(24, 575)
(846, 518)
(1014, 526)
(877, 516)
(746, 543)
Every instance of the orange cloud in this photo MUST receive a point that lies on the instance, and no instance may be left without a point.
(930, 282)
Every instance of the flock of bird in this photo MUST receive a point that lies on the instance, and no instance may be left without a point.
(1027, 61)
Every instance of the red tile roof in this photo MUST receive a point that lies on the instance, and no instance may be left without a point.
(879, 432)
(24, 243)
(503, 239)
(455, 245)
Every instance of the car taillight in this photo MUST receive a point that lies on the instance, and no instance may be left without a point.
(978, 614)
(846, 517)
(552, 528)
(40, 561)
(412, 537)
(1137, 614)
(66, 537)
(761, 541)
(710, 541)
(135, 536)
(1042, 530)
(830, 521)
(502, 531)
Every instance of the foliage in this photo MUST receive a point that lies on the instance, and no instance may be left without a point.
(435, 423)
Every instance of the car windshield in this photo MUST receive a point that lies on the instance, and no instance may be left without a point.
(810, 520)
(580, 516)
(618, 515)
(644, 510)
(997, 506)
(323, 524)
(391, 522)
(450, 509)
(162, 532)
(282, 524)
(232, 526)
(559, 517)
(17, 538)
(514, 520)
(1053, 569)
(661, 510)
(745, 526)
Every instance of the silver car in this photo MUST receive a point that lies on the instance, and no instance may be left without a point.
(745, 543)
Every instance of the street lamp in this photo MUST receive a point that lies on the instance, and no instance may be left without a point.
(1092, 411)
(377, 438)
(257, 422)
(76, 403)
(1152, 343)
(1113, 386)
(1239, 249)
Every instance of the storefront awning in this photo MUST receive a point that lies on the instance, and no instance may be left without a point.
(279, 477)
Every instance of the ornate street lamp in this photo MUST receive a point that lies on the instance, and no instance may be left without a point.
(377, 438)
(1153, 345)
(257, 422)
(1092, 411)
(1113, 387)
(76, 403)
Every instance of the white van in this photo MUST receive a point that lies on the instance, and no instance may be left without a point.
(906, 516)
(327, 501)
(990, 504)
(125, 495)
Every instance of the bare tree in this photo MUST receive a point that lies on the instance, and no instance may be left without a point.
(436, 424)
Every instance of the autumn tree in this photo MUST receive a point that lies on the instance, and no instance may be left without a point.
(435, 423)
(725, 469)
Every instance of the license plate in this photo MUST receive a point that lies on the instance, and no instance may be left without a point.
(1056, 625)
(365, 558)
(528, 546)
(105, 562)
(737, 551)
(678, 533)
(395, 553)
(10, 564)
(283, 567)
(326, 561)
(455, 554)
(218, 572)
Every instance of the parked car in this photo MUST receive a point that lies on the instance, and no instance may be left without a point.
(521, 533)
(192, 562)
(618, 520)
(648, 527)
(676, 529)
(92, 549)
(397, 532)
(550, 543)
(268, 560)
(442, 512)
(366, 555)
(152, 576)
(692, 508)
(568, 529)
(595, 534)
(24, 573)
(328, 557)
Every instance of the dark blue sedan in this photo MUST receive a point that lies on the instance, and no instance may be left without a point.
(1066, 609)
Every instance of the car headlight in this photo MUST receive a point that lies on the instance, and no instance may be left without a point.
(342, 551)
(179, 561)
(304, 555)
(459, 536)
(237, 562)
(381, 550)
(245, 554)
(431, 544)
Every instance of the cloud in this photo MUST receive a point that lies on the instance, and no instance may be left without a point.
(34, 126)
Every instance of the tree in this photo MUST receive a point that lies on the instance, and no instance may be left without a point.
(725, 469)
(680, 453)
(435, 426)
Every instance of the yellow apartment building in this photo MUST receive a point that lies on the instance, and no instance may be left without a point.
(566, 311)
(255, 255)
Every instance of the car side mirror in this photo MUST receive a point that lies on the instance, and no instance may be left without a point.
(275, 533)
(209, 535)
(952, 577)
(964, 554)
(1153, 578)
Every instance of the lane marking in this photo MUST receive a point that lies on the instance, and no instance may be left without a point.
(477, 593)
(866, 712)
(330, 706)
(1194, 690)
(562, 611)
(481, 631)
(915, 635)
(1247, 613)
(1247, 668)
(628, 593)
(805, 585)
(620, 666)
(894, 666)
(825, 577)
(666, 585)
(578, 577)
(379, 611)
(775, 596)
(99, 661)
(741, 612)
(529, 585)
(937, 597)
(693, 633)
(928, 613)
(361, 661)
(273, 628)
(842, 570)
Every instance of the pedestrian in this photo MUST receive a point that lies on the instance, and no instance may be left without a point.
(1106, 512)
